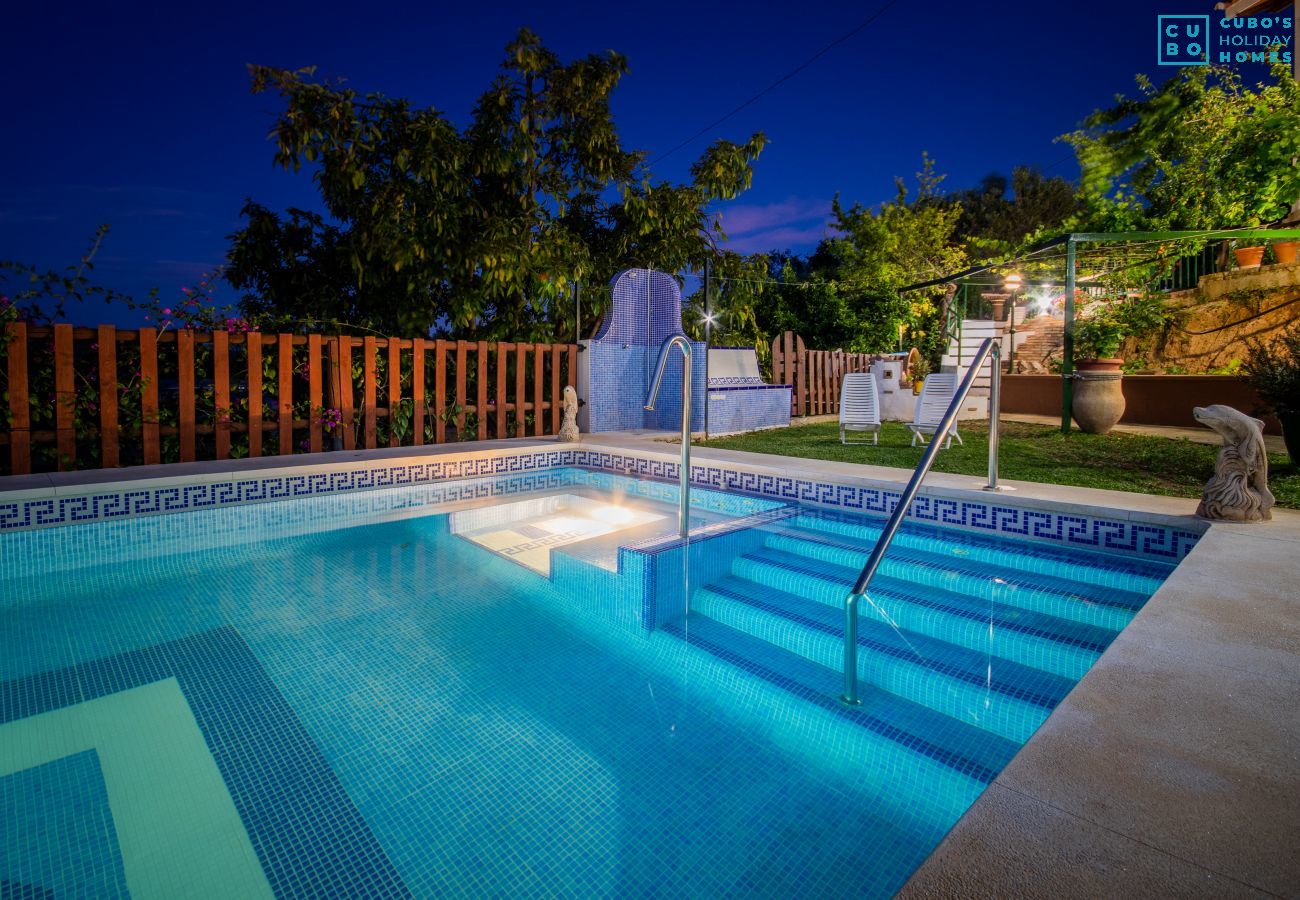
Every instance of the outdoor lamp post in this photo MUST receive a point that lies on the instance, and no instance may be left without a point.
(1013, 284)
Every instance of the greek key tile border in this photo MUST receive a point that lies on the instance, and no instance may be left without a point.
(1117, 536)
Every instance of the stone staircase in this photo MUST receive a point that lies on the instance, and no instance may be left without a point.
(1044, 339)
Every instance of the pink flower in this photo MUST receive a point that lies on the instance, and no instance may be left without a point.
(167, 311)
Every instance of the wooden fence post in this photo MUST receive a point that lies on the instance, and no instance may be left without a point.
(521, 356)
(370, 389)
(394, 387)
(185, 380)
(481, 392)
(221, 392)
(284, 393)
(65, 397)
(539, 423)
(440, 391)
(500, 374)
(253, 354)
(417, 390)
(347, 392)
(149, 436)
(462, 364)
(801, 375)
(555, 388)
(106, 337)
(20, 413)
(315, 400)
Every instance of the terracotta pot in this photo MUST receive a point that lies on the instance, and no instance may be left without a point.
(1099, 365)
(1285, 251)
(1249, 257)
(1098, 396)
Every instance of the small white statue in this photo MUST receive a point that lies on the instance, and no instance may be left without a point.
(1238, 492)
(569, 424)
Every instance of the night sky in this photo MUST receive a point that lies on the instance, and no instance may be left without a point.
(140, 115)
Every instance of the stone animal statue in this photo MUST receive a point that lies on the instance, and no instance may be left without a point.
(1238, 492)
(569, 424)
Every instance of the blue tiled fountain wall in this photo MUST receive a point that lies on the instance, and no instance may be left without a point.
(743, 402)
(748, 407)
(616, 366)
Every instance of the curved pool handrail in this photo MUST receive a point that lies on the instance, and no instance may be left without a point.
(991, 348)
(684, 501)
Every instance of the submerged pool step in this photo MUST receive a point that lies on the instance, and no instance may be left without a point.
(914, 728)
(1137, 578)
(1032, 639)
(1090, 604)
(1005, 698)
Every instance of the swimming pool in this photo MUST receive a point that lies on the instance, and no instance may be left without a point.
(524, 684)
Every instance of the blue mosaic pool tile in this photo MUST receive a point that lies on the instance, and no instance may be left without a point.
(57, 837)
(1113, 536)
(308, 834)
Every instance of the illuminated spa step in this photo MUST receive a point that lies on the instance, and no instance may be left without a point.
(910, 729)
(1128, 580)
(1001, 697)
(1090, 604)
(1043, 642)
(526, 531)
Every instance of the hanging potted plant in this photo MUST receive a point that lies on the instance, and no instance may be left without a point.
(1273, 370)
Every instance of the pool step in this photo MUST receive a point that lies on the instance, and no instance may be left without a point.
(914, 728)
(1136, 578)
(1004, 698)
(1083, 602)
(993, 629)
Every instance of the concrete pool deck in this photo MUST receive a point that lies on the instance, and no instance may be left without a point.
(1172, 768)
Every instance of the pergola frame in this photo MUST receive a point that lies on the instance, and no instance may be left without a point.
(1070, 281)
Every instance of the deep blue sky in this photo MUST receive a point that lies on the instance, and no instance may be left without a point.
(140, 115)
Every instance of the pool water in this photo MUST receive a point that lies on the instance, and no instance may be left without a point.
(388, 694)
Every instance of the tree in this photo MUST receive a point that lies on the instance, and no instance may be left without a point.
(479, 231)
(998, 216)
(904, 241)
(1199, 152)
(901, 242)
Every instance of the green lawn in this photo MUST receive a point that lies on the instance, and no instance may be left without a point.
(1123, 462)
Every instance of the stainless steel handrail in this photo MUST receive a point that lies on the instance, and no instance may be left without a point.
(684, 509)
(991, 348)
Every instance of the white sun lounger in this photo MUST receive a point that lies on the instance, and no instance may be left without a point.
(859, 406)
(935, 397)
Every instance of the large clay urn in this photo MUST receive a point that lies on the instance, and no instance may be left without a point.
(1098, 397)
(997, 306)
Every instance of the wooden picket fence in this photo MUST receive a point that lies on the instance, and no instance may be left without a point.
(258, 394)
(815, 375)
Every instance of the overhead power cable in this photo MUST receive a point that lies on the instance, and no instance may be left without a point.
(780, 81)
